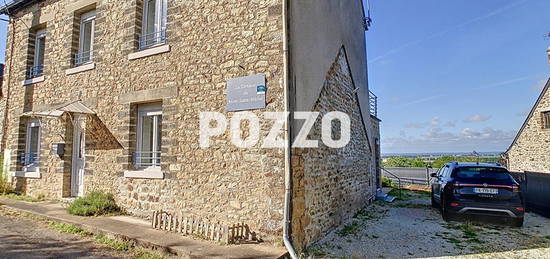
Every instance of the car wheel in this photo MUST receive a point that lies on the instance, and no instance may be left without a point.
(517, 222)
(444, 211)
(434, 203)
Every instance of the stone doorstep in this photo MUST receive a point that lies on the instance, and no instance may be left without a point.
(141, 234)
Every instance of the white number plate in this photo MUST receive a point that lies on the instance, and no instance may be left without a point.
(486, 190)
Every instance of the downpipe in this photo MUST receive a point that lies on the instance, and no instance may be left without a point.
(288, 175)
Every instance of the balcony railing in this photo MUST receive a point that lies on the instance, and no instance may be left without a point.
(146, 159)
(29, 158)
(373, 100)
(35, 71)
(149, 40)
(83, 58)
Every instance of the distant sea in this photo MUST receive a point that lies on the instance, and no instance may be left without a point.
(438, 154)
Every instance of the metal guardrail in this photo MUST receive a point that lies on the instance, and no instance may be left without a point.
(399, 186)
(373, 103)
(146, 159)
(35, 71)
(83, 58)
(29, 158)
(149, 40)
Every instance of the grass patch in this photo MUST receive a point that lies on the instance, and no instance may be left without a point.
(141, 253)
(94, 204)
(114, 244)
(407, 194)
(14, 196)
(66, 228)
(411, 205)
(350, 229)
(469, 231)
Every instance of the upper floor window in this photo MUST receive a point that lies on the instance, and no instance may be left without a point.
(86, 39)
(37, 68)
(153, 31)
(31, 156)
(149, 136)
(546, 120)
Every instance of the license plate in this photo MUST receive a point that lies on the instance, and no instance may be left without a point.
(486, 190)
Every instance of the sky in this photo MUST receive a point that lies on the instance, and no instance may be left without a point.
(452, 76)
(456, 76)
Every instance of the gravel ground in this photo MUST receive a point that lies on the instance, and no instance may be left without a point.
(24, 238)
(412, 229)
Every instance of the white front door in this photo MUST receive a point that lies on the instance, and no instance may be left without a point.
(77, 177)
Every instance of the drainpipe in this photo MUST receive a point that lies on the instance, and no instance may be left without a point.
(288, 175)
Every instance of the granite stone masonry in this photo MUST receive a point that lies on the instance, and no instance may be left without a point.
(149, 99)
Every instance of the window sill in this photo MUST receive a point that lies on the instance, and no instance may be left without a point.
(149, 52)
(34, 80)
(80, 68)
(22, 174)
(144, 174)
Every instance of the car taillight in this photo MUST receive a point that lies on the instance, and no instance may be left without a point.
(520, 209)
(454, 204)
(515, 188)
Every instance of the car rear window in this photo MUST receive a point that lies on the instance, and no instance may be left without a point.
(482, 173)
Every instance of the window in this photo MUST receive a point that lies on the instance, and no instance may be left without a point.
(149, 136)
(86, 39)
(546, 120)
(37, 68)
(31, 156)
(154, 23)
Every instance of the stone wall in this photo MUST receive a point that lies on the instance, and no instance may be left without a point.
(531, 150)
(331, 185)
(210, 41)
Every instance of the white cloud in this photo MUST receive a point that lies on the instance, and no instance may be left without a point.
(449, 124)
(434, 122)
(477, 118)
(438, 140)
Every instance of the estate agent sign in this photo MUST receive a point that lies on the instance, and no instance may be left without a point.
(246, 93)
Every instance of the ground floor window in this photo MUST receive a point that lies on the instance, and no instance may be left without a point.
(149, 136)
(31, 156)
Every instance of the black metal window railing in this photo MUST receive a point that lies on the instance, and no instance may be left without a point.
(83, 58)
(35, 71)
(152, 39)
(373, 101)
(29, 158)
(146, 159)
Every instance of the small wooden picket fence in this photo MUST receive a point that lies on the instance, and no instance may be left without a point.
(229, 234)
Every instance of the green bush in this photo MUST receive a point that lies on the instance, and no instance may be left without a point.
(387, 182)
(5, 186)
(95, 203)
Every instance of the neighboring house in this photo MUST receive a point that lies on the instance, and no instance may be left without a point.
(106, 95)
(530, 150)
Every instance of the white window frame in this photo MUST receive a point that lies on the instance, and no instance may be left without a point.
(85, 18)
(36, 164)
(161, 13)
(149, 110)
(40, 35)
(161, 18)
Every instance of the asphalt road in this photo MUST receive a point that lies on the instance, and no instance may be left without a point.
(23, 238)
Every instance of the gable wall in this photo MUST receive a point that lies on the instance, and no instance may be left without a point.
(531, 151)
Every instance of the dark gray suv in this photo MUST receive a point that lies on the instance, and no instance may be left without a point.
(477, 189)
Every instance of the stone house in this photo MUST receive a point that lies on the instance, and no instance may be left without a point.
(530, 150)
(107, 95)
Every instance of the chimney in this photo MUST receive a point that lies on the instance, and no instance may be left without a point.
(548, 52)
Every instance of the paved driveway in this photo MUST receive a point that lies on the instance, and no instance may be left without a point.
(412, 229)
(23, 238)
